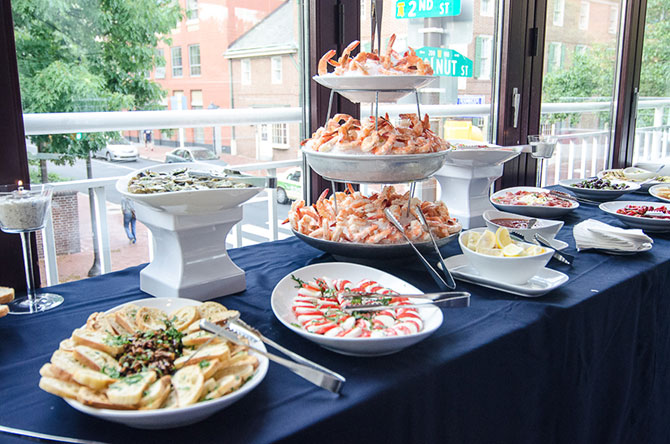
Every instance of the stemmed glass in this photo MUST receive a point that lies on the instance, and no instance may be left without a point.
(541, 147)
(24, 211)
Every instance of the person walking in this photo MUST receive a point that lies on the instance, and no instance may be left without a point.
(129, 219)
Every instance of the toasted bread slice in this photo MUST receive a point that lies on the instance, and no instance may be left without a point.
(100, 322)
(98, 400)
(193, 328)
(4, 310)
(67, 345)
(171, 400)
(216, 313)
(156, 394)
(92, 378)
(208, 368)
(59, 387)
(96, 359)
(148, 318)
(129, 390)
(6, 295)
(208, 352)
(244, 371)
(198, 338)
(64, 365)
(189, 383)
(98, 340)
(184, 317)
(126, 317)
(241, 358)
(47, 370)
(224, 385)
(110, 318)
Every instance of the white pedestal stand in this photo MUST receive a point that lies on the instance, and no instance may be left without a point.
(190, 257)
(466, 179)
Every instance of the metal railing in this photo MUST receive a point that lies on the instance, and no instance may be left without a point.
(579, 154)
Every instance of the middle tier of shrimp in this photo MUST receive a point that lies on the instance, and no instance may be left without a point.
(319, 303)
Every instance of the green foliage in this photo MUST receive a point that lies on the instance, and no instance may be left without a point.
(53, 177)
(89, 55)
(655, 74)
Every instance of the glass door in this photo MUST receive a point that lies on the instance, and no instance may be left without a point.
(581, 54)
(652, 127)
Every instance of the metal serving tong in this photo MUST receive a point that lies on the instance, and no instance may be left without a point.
(304, 368)
(447, 274)
(376, 13)
(433, 273)
(566, 196)
(456, 299)
(540, 240)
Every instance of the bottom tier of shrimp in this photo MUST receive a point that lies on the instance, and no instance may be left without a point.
(319, 308)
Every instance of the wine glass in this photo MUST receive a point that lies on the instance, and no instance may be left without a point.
(24, 211)
(541, 147)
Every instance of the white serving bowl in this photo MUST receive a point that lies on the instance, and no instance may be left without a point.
(544, 227)
(594, 194)
(188, 202)
(285, 291)
(531, 210)
(656, 188)
(510, 270)
(177, 417)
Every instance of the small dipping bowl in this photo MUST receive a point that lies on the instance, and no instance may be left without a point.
(546, 228)
(510, 270)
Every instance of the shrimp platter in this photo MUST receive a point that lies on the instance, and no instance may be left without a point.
(360, 219)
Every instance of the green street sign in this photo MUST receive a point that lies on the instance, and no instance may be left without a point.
(408, 9)
(446, 62)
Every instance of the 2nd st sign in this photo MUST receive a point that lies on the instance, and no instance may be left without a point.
(427, 8)
(446, 62)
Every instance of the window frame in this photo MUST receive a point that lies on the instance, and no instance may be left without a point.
(160, 71)
(276, 60)
(489, 10)
(192, 65)
(245, 71)
(283, 140)
(584, 15)
(558, 14)
(192, 13)
(173, 67)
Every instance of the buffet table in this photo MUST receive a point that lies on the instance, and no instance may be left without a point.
(585, 363)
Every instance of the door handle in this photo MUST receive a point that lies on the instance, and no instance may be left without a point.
(516, 101)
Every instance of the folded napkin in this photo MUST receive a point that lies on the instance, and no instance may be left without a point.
(595, 234)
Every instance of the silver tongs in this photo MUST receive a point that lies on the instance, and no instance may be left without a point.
(304, 368)
(456, 299)
(570, 197)
(433, 273)
(376, 14)
(447, 274)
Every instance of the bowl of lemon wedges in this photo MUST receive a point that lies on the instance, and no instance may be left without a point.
(496, 256)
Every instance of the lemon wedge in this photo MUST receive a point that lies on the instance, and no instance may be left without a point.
(486, 241)
(491, 252)
(512, 250)
(534, 250)
(472, 239)
(502, 238)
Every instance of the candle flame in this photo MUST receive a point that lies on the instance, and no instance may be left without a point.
(20, 183)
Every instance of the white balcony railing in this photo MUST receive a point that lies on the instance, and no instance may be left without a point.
(579, 154)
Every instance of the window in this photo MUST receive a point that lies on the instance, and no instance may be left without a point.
(264, 132)
(614, 19)
(555, 60)
(194, 59)
(483, 52)
(160, 64)
(178, 101)
(363, 15)
(584, 15)
(276, 69)
(177, 70)
(559, 12)
(581, 49)
(196, 99)
(486, 8)
(191, 9)
(246, 71)
(280, 134)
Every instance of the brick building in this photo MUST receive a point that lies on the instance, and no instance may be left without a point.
(194, 65)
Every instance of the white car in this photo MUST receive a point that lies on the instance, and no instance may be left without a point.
(118, 149)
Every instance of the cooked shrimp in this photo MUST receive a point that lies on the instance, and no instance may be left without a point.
(323, 63)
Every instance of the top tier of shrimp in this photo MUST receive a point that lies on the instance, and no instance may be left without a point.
(371, 63)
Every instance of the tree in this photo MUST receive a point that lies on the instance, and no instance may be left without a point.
(88, 55)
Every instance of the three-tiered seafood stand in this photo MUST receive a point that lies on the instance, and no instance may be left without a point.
(189, 230)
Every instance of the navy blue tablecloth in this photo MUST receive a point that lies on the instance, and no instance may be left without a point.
(587, 363)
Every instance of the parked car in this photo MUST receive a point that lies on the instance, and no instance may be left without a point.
(118, 149)
(289, 186)
(193, 154)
